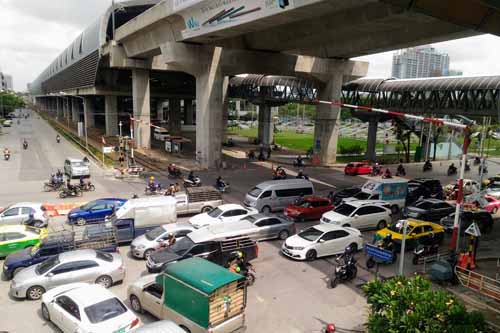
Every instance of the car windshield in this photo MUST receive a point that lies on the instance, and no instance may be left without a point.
(362, 196)
(34, 249)
(311, 234)
(155, 233)
(88, 205)
(255, 192)
(215, 212)
(182, 245)
(78, 164)
(47, 265)
(344, 209)
(105, 310)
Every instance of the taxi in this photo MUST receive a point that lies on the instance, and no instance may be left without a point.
(17, 237)
(417, 232)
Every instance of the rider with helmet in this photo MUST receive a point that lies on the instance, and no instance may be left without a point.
(388, 243)
(152, 184)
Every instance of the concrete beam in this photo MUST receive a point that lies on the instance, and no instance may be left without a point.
(141, 104)
(111, 115)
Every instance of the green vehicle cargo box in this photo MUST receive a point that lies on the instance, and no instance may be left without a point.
(202, 291)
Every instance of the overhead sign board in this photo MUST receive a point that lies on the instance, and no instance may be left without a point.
(473, 230)
(107, 150)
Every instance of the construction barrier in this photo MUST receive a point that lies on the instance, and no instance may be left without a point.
(61, 209)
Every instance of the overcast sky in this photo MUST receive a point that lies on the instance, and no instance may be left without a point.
(34, 32)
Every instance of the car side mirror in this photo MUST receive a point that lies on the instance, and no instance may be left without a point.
(356, 215)
(321, 241)
(49, 275)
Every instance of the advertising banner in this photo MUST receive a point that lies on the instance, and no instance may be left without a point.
(212, 15)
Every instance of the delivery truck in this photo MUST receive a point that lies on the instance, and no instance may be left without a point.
(138, 216)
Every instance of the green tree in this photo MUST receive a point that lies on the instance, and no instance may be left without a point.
(10, 102)
(412, 306)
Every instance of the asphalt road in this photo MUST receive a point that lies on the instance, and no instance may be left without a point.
(288, 296)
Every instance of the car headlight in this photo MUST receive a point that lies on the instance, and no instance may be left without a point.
(298, 248)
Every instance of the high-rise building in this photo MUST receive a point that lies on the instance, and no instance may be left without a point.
(422, 61)
(455, 72)
(6, 82)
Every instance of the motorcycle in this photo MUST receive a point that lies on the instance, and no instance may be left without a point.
(467, 167)
(223, 188)
(477, 161)
(156, 191)
(174, 174)
(345, 271)
(424, 250)
(53, 186)
(298, 163)
(302, 176)
(6, 157)
(25, 145)
(87, 187)
(400, 171)
(427, 167)
(452, 170)
(72, 192)
(196, 182)
(279, 174)
(58, 140)
(249, 273)
(484, 169)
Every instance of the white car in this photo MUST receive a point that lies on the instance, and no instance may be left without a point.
(322, 240)
(360, 214)
(223, 213)
(20, 213)
(144, 245)
(75, 168)
(86, 308)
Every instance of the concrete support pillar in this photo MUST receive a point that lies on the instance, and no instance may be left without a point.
(327, 124)
(111, 114)
(142, 108)
(160, 115)
(66, 107)
(174, 116)
(88, 112)
(188, 112)
(265, 125)
(59, 108)
(225, 108)
(75, 110)
(371, 154)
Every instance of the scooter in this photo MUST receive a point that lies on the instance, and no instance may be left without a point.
(485, 169)
(424, 250)
(73, 192)
(195, 183)
(6, 157)
(52, 187)
(226, 188)
(344, 271)
(156, 191)
(87, 187)
(25, 145)
(400, 171)
(249, 273)
(279, 175)
(427, 167)
(452, 170)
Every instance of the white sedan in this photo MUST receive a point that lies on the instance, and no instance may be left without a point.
(223, 213)
(322, 240)
(85, 308)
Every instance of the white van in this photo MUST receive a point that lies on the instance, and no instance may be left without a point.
(276, 195)
(75, 168)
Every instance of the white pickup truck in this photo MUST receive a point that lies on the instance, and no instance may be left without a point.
(198, 200)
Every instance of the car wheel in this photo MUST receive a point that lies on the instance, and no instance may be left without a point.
(147, 253)
(135, 304)
(206, 209)
(394, 209)
(266, 210)
(381, 225)
(35, 293)
(185, 329)
(354, 247)
(91, 188)
(81, 221)
(494, 210)
(311, 255)
(283, 234)
(104, 281)
(17, 270)
(347, 225)
(45, 312)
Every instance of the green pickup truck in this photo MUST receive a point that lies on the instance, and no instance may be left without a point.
(196, 294)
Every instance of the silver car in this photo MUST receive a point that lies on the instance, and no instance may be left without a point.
(146, 244)
(270, 227)
(69, 267)
(20, 213)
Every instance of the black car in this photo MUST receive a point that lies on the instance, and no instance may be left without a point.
(431, 210)
(219, 252)
(424, 188)
(482, 218)
(348, 192)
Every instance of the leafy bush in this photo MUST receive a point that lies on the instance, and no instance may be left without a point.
(412, 306)
(351, 149)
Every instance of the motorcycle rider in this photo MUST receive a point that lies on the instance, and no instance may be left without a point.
(58, 138)
(59, 176)
(220, 184)
(299, 162)
(69, 186)
(6, 153)
(376, 169)
(192, 177)
(428, 165)
(173, 170)
(452, 169)
(388, 243)
(25, 144)
(152, 184)
(387, 174)
(279, 171)
(401, 169)
(301, 175)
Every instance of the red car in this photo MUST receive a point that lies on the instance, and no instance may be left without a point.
(358, 168)
(310, 208)
(493, 204)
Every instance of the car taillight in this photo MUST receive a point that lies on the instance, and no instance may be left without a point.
(134, 323)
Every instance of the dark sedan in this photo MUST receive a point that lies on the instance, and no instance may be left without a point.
(482, 218)
(431, 210)
(348, 192)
